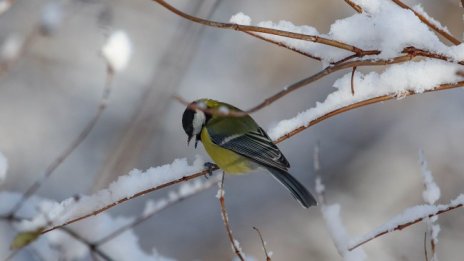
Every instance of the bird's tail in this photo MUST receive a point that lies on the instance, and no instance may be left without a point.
(299, 192)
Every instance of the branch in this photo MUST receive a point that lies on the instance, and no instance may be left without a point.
(141, 193)
(387, 228)
(356, 7)
(268, 257)
(362, 104)
(164, 204)
(225, 218)
(409, 54)
(431, 25)
(257, 29)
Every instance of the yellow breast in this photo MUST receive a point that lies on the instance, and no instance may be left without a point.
(227, 160)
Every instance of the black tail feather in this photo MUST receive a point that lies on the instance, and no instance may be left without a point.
(299, 192)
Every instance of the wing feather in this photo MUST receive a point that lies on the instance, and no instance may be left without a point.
(255, 145)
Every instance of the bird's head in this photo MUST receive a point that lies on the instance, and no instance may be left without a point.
(194, 119)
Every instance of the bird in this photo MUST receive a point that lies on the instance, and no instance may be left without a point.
(237, 144)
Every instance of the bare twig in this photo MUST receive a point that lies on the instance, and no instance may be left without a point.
(225, 218)
(282, 44)
(257, 29)
(356, 7)
(431, 25)
(425, 246)
(352, 79)
(268, 258)
(65, 154)
(403, 226)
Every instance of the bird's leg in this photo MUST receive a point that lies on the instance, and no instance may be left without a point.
(210, 167)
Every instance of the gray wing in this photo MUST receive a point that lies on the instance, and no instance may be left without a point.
(255, 145)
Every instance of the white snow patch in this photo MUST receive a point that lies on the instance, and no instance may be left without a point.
(117, 50)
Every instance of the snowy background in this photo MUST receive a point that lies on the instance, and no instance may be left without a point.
(369, 156)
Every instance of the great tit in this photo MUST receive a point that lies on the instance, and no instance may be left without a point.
(238, 145)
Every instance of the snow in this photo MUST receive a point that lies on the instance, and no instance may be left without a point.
(396, 80)
(240, 18)
(420, 10)
(320, 188)
(117, 51)
(3, 167)
(60, 245)
(383, 26)
(124, 187)
(407, 216)
(431, 192)
(337, 231)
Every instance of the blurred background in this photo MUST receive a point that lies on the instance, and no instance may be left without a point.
(369, 156)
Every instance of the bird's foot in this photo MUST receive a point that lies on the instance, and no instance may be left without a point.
(210, 167)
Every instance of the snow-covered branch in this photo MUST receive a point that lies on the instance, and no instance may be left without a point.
(409, 217)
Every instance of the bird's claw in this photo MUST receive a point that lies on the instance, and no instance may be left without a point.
(209, 167)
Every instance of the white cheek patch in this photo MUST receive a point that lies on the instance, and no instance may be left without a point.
(198, 120)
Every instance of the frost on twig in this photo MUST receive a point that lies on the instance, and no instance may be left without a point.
(117, 51)
(409, 217)
(430, 195)
(75, 242)
(335, 227)
(135, 184)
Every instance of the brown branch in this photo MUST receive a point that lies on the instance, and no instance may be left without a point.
(257, 29)
(409, 54)
(280, 139)
(284, 45)
(362, 104)
(430, 24)
(297, 85)
(225, 218)
(405, 225)
(65, 154)
(141, 193)
(356, 7)
(143, 218)
(268, 258)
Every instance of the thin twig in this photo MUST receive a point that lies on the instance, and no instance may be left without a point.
(356, 7)
(65, 154)
(425, 246)
(225, 218)
(257, 29)
(403, 226)
(431, 25)
(352, 79)
(282, 44)
(268, 258)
